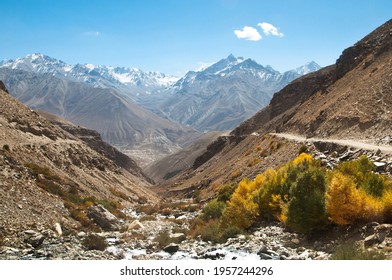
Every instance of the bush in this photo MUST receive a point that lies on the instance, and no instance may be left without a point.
(350, 251)
(253, 162)
(356, 169)
(6, 147)
(241, 211)
(306, 210)
(81, 217)
(210, 231)
(374, 184)
(303, 149)
(36, 169)
(95, 242)
(213, 210)
(225, 192)
(268, 185)
(387, 206)
(230, 232)
(235, 174)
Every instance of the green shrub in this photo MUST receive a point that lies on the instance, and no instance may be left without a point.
(6, 147)
(358, 169)
(303, 149)
(235, 174)
(349, 251)
(95, 242)
(230, 232)
(306, 209)
(37, 169)
(374, 184)
(225, 192)
(213, 210)
(210, 231)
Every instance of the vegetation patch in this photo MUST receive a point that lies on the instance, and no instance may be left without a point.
(350, 251)
(303, 195)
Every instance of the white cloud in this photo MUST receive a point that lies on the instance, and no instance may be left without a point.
(248, 33)
(269, 29)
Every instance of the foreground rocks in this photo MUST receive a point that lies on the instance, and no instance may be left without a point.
(163, 237)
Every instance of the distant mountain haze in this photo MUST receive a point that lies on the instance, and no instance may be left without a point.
(147, 115)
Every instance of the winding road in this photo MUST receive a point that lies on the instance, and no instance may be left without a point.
(345, 142)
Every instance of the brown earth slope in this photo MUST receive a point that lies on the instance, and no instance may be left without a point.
(351, 99)
(43, 167)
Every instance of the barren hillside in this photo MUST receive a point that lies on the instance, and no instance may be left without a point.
(45, 173)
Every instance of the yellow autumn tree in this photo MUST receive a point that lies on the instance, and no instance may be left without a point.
(344, 202)
(348, 204)
(241, 211)
(387, 206)
(268, 192)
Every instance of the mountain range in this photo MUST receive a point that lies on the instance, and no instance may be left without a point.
(228, 92)
(218, 97)
(134, 130)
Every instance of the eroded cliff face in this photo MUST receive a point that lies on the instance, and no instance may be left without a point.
(46, 173)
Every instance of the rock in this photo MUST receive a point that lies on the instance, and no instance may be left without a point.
(171, 248)
(35, 240)
(374, 239)
(384, 229)
(178, 237)
(380, 166)
(135, 225)
(295, 241)
(57, 229)
(106, 220)
(82, 234)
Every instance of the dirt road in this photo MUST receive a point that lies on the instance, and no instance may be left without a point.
(345, 142)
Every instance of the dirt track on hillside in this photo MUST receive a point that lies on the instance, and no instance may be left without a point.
(360, 144)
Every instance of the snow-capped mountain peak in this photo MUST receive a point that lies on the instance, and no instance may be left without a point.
(308, 68)
(124, 78)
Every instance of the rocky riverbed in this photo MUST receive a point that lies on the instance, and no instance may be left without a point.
(158, 236)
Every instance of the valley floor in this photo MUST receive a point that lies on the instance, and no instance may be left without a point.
(164, 236)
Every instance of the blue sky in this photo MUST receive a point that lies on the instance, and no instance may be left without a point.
(173, 36)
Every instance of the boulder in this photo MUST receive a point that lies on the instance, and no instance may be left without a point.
(57, 229)
(106, 220)
(380, 166)
(135, 225)
(178, 237)
(33, 238)
(171, 248)
(373, 239)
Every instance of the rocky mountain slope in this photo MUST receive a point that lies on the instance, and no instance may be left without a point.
(47, 174)
(226, 93)
(137, 132)
(349, 100)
